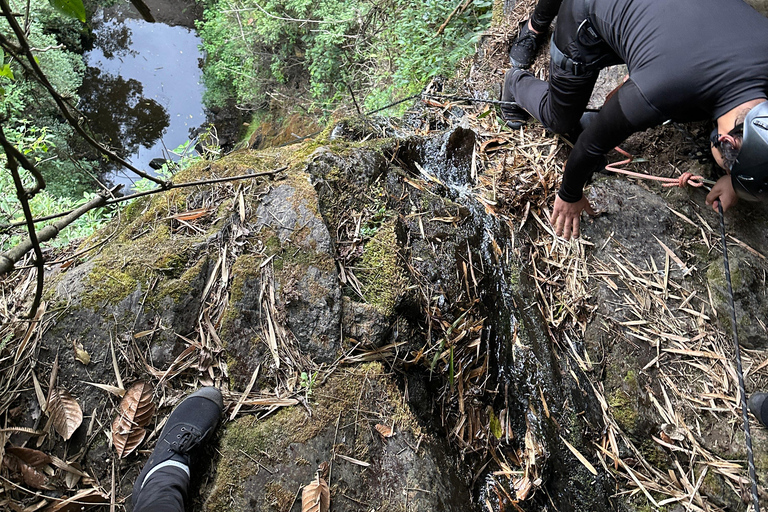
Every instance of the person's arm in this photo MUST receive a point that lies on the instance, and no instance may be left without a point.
(610, 128)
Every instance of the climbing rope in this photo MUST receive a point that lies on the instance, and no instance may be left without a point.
(739, 371)
(686, 178)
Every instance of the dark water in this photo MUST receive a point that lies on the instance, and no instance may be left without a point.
(142, 92)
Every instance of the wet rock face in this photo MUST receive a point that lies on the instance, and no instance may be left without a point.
(307, 282)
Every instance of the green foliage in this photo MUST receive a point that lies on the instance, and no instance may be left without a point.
(31, 121)
(72, 8)
(319, 48)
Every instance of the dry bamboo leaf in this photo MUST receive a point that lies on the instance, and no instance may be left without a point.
(135, 411)
(191, 214)
(384, 430)
(75, 503)
(65, 413)
(109, 389)
(316, 497)
(579, 456)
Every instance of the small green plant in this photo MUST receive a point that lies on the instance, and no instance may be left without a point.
(307, 382)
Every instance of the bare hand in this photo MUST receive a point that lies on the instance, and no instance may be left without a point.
(565, 216)
(723, 193)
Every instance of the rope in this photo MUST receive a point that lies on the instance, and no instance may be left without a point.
(686, 178)
(739, 371)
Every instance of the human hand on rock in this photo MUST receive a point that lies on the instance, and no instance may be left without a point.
(723, 193)
(565, 216)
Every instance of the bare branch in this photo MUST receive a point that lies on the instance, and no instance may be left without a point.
(33, 241)
(157, 191)
(9, 259)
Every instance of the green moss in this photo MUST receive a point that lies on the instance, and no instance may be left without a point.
(381, 275)
(273, 435)
(623, 409)
(654, 454)
(498, 18)
(108, 284)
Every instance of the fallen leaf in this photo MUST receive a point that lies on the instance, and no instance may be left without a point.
(126, 442)
(384, 430)
(15, 460)
(191, 214)
(34, 458)
(109, 389)
(316, 497)
(135, 410)
(81, 354)
(65, 413)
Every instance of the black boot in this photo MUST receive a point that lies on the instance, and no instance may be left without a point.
(513, 114)
(758, 405)
(526, 46)
(190, 424)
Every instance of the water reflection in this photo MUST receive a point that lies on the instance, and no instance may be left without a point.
(142, 93)
(126, 119)
(114, 41)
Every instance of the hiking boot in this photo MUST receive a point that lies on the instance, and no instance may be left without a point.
(190, 424)
(526, 46)
(758, 405)
(513, 114)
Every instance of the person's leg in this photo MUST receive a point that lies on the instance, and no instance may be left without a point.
(163, 482)
(758, 405)
(543, 14)
(533, 33)
(557, 104)
(165, 490)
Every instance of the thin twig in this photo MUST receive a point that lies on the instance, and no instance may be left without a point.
(171, 186)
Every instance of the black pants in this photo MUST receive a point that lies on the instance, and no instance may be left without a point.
(559, 103)
(164, 491)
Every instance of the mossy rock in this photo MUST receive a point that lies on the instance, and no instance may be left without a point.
(264, 462)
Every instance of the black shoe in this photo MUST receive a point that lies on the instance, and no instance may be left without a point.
(190, 424)
(526, 46)
(758, 405)
(513, 114)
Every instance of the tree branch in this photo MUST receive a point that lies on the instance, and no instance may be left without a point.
(9, 259)
(156, 191)
(11, 151)
(21, 193)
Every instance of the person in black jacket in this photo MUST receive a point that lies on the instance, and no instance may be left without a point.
(687, 59)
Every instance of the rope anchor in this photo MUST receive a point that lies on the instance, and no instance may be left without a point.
(687, 178)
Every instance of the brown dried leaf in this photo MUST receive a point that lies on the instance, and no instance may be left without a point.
(29, 475)
(65, 413)
(384, 430)
(34, 458)
(135, 411)
(126, 443)
(316, 497)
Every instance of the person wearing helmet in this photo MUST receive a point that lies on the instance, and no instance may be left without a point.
(686, 61)
(743, 152)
